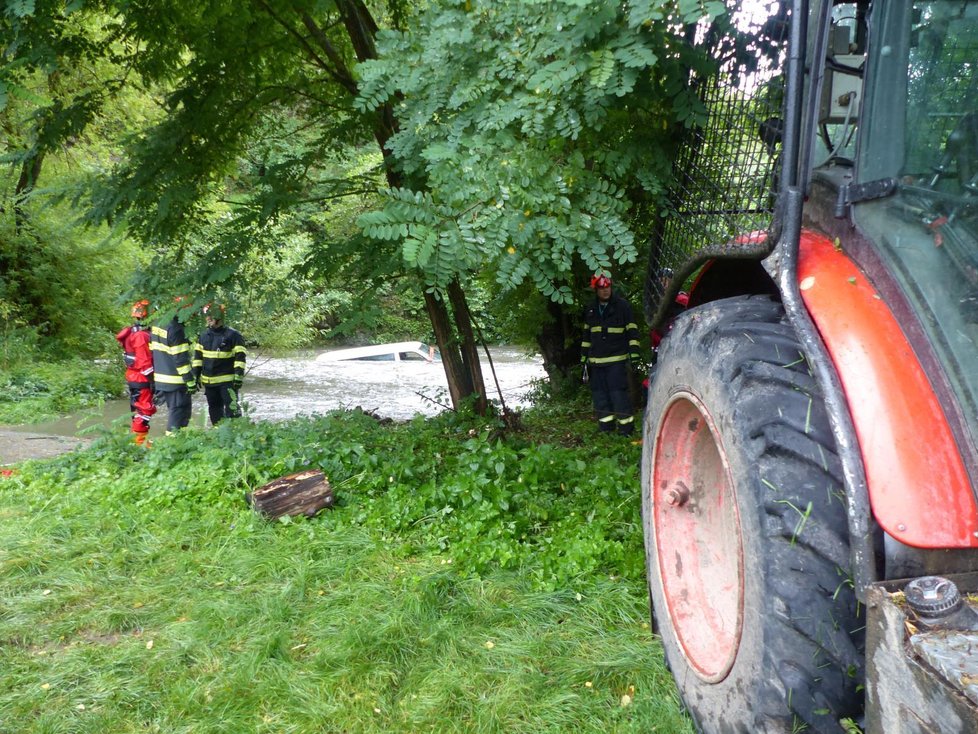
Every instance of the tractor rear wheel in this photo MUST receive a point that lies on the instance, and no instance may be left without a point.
(745, 527)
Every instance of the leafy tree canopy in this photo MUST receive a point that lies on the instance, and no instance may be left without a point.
(531, 128)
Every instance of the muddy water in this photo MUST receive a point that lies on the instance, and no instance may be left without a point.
(281, 387)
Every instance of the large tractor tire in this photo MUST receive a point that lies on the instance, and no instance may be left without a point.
(745, 527)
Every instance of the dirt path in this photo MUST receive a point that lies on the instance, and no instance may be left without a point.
(17, 446)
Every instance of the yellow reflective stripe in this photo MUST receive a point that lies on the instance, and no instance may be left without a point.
(241, 349)
(616, 329)
(629, 419)
(175, 349)
(157, 331)
(170, 379)
(585, 345)
(210, 354)
(633, 343)
(632, 326)
(596, 329)
(216, 379)
(239, 365)
(196, 362)
(606, 419)
(609, 360)
(183, 369)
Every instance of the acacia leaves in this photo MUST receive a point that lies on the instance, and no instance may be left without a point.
(533, 128)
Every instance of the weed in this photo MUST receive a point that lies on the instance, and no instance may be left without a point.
(470, 579)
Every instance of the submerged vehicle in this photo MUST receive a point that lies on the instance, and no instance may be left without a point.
(393, 352)
(810, 449)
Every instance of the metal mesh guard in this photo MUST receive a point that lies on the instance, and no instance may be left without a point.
(723, 200)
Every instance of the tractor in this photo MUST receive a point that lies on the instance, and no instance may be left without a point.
(810, 440)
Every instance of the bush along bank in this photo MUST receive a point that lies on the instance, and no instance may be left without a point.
(490, 500)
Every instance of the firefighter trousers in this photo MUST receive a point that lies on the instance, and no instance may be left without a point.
(141, 406)
(178, 405)
(222, 402)
(609, 394)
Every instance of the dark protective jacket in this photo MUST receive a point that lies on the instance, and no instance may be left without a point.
(171, 357)
(610, 332)
(134, 341)
(219, 356)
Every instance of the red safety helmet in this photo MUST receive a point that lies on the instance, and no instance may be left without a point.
(600, 281)
(140, 309)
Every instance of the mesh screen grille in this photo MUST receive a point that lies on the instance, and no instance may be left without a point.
(725, 172)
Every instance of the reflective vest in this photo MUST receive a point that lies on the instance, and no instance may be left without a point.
(219, 356)
(171, 357)
(610, 332)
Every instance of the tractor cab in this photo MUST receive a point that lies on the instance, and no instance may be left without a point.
(913, 190)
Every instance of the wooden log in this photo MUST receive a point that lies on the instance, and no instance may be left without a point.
(304, 493)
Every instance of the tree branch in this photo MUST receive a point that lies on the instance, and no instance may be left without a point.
(340, 74)
(343, 75)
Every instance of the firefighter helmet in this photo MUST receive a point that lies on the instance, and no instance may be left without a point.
(599, 280)
(140, 309)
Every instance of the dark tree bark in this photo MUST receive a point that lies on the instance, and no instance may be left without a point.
(459, 385)
(30, 171)
(469, 346)
(559, 342)
(304, 493)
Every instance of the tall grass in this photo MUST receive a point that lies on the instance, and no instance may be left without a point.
(138, 592)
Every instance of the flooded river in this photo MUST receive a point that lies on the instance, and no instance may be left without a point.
(281, 387)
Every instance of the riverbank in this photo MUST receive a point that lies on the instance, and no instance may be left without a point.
(18, 446)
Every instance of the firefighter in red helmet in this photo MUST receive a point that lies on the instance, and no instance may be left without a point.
(609, 344)
(134, 341)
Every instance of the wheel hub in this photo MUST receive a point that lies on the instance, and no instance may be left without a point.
(698, 538)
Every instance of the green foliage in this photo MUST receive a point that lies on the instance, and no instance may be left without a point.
(549, 123)
(60, 282)
(219, 622)
(446, 484)
(60, 291)
(31, 392)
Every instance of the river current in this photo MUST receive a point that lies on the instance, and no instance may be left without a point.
(285, 386)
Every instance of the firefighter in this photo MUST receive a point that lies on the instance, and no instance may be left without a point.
(219, 363)
(134, 341)
(609, 344)
(171, 361)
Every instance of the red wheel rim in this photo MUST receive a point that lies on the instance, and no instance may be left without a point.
(699, 552)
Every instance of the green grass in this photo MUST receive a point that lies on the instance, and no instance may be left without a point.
(33, 393)
(138, 593)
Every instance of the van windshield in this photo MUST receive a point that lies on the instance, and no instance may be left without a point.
(920, 127)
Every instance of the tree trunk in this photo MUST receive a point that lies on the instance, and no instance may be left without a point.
(30, 170)
(459, 385)
(304, 493)
(469, 346)
(464, 372)
(559, 342)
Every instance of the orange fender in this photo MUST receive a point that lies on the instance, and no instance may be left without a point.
(918, 487)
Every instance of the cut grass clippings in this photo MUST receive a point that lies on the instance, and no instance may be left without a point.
(155, 619)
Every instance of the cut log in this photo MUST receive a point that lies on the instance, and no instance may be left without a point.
(304, 493)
